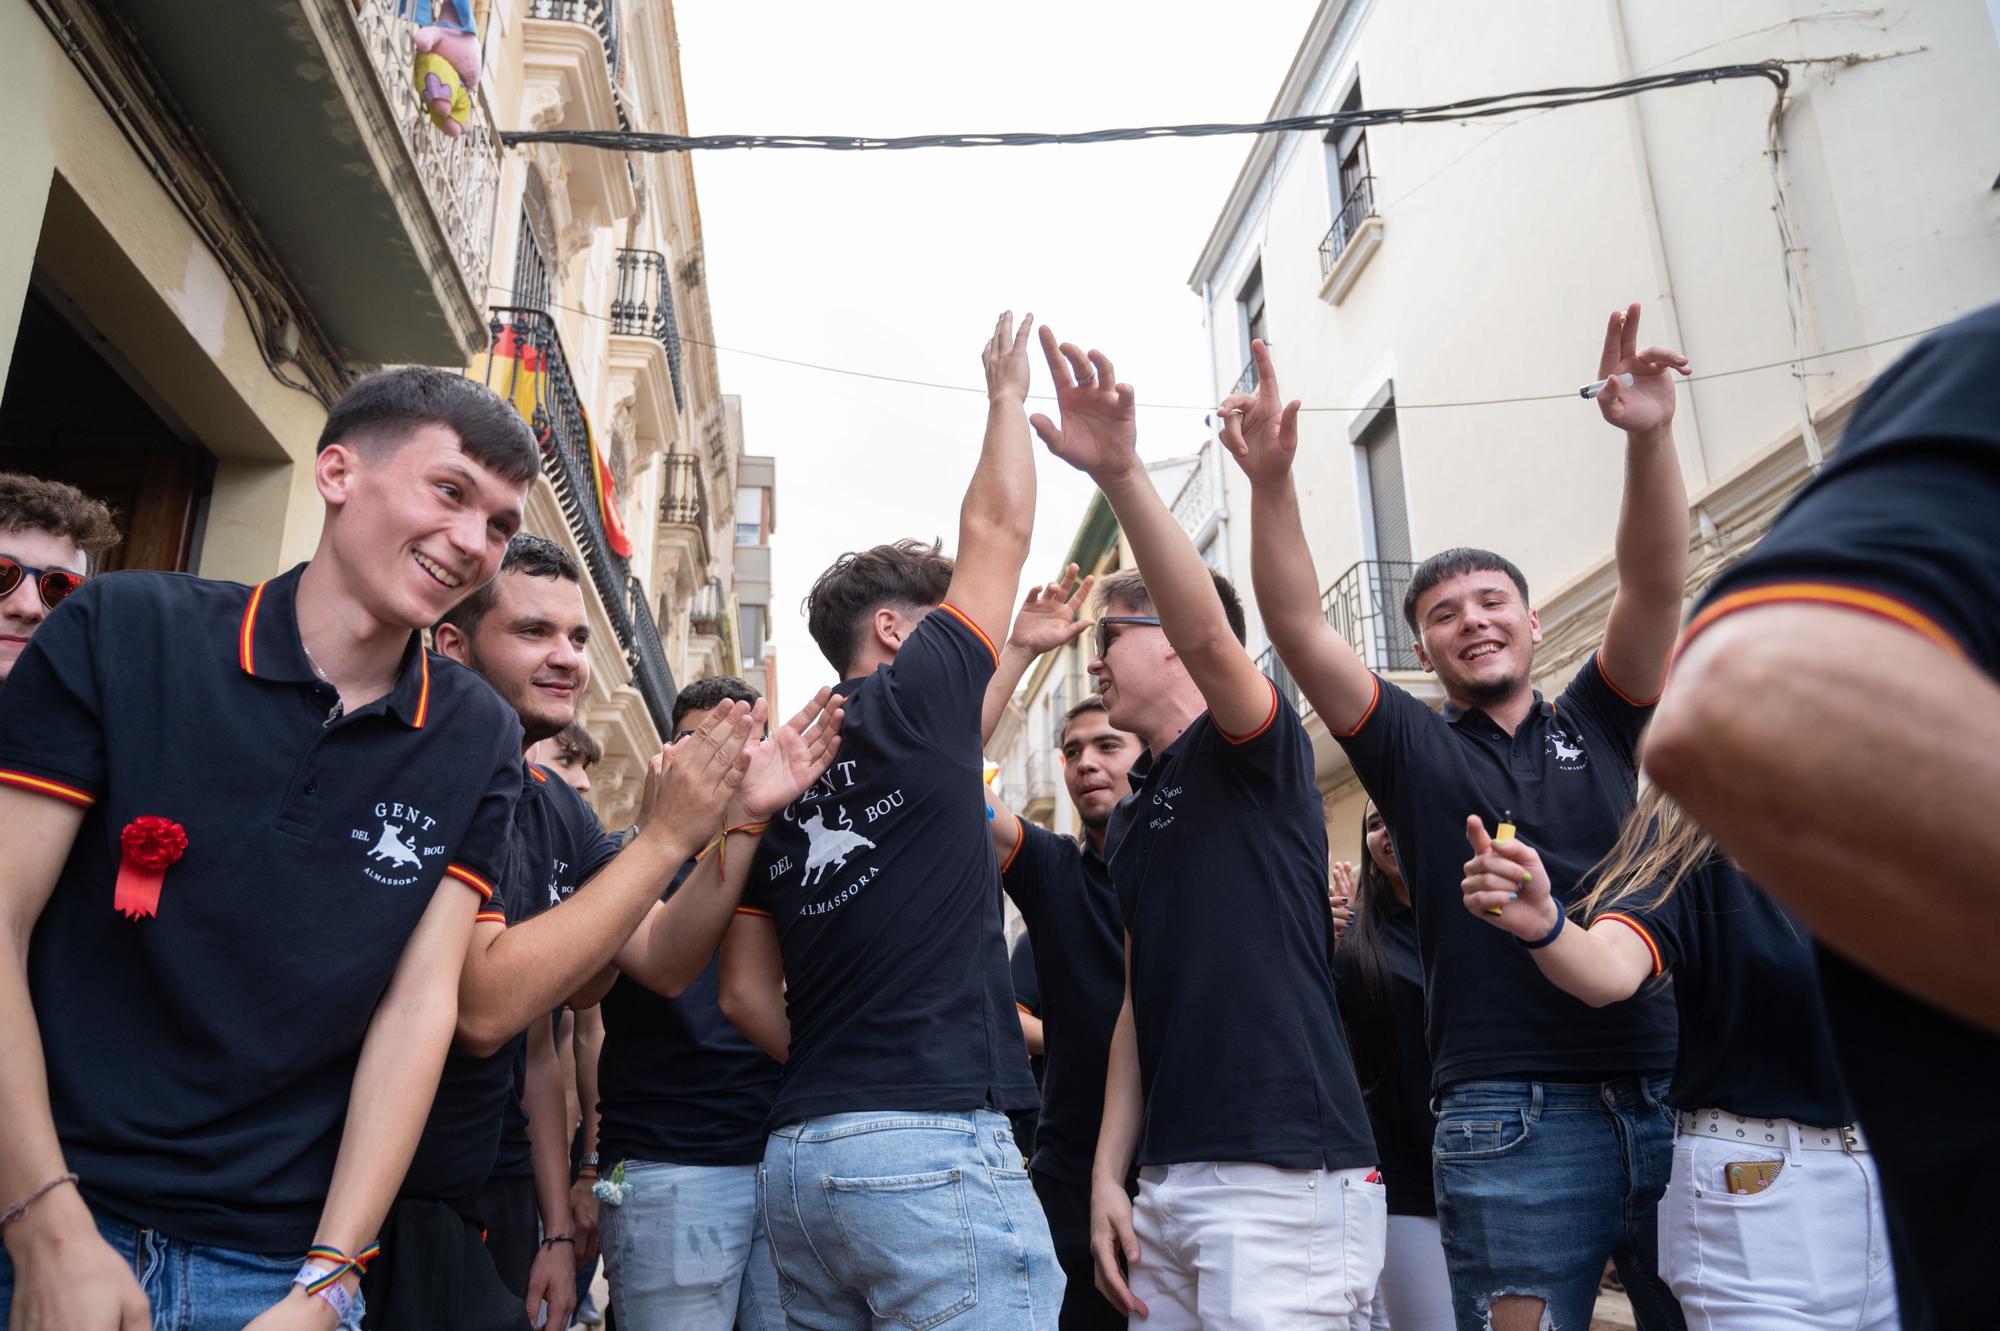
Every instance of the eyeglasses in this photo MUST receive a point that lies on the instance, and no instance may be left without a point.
(53, 583)
(1105, 622)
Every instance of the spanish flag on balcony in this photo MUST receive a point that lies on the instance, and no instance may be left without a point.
(518, 371)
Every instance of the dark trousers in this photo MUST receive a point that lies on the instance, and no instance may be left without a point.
(434, 1272)
(1067, 1206)
(506, 1208)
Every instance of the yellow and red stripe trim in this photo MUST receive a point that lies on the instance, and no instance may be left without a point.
(41, 785)
(471, 880)
(1645, 936)
(246, 637)
(490, 917)
(536, 773)
(1024, 1010)
(1824, 593)
(1373, 702)
(1020, 839)
(977, 632)
(752, 910)
(1612, 684)
(424, 689)
(1269, 717)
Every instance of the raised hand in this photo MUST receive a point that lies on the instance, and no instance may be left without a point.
(1048, 618)
(1507, 876)
(1260, 429)
(784, 765)
(1649, 403)
(1340, 896)
(1006, 360)
(691, 781)
(1099, 433)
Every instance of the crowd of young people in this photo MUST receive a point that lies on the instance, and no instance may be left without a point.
(299, 910)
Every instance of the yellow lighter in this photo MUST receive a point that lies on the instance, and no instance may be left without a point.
(1504, 833)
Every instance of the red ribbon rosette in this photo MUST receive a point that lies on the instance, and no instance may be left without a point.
(150, 844)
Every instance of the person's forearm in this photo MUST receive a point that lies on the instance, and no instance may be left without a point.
(1848, 765)
(548, 1131)
(681, 934)
(1013, 664)
(589, 1044)
(1591, 965)
(1031, 1031)
(759, 1013)
(534, 966)
(997, 517)
(1281, 566)
(1124, 1107)
(41, 832)
(1652, 542)
(1179, 583)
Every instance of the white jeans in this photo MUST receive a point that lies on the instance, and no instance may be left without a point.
(1808, 1253)
(1225, 1246)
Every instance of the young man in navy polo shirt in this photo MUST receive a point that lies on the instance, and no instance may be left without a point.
(1833, 720)
(682, 1101)
(871, 957)
(1258, 1201)
(49, 535)
(249, 828)
(1552, 1147)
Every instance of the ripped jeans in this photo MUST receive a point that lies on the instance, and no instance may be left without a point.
(1538, 1183)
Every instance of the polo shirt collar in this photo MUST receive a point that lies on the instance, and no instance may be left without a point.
(1454, 713)
(268, 647)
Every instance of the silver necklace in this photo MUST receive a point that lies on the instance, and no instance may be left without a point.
(320, 670)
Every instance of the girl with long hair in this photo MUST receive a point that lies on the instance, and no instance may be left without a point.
(1772, 1220)
(1380, 986)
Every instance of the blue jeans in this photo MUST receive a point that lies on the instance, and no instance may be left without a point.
(907, 1219)
(190, 1287)
(686, 1252)
(1538, 1183)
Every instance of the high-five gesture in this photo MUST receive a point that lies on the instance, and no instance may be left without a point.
(1648, 404)
(1260, 429)
(784, 764)
(1099, 433)
(1006, 359)
(1048, 618)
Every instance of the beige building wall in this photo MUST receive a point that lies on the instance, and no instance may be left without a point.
(1486, 257)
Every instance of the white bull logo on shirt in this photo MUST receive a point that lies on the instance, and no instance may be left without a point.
(392, 848)
(829, 845)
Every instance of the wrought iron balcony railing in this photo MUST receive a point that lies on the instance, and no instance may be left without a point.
(537, 381)
(643, 306)
(1366, 605)
(706, 610)
(686, 498)
(1246, 382)
(1356, 208)
(648, 657)
(601, 15)
(1288, 688)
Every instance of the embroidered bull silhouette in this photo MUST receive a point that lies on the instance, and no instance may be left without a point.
(1564, 752)
(830, 845)
(393, 849)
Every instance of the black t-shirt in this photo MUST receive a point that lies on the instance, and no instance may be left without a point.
(1219, 856)
(879, 881)
(1902, 524)
(1753, 1040)
(676, 1082)
(1392, 1061)
(1027, 996)
(1063, 889)
(1567, 776)
(200, 1058)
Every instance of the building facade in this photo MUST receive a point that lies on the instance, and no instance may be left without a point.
(1408, 278)
(214, 228)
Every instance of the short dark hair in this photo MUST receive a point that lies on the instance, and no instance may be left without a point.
(30, 503)
(574, 740)
(1088, 703)
(905, 575)
(1453, 563)
(536, 556)
(706, 693)
(1127, 587)
(388, 406)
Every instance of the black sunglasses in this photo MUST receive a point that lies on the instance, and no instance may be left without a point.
(53, 583)
(1104, 623)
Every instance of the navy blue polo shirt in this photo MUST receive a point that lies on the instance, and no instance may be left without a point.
(1385, 1029)
(556, 844)
(879, 881)
(1028, 998)
(1901, 524)
(1064, 892)
(1568, 776)
(1753, 1040)
(675, 1081)
(1219, 856)
(199, 1060)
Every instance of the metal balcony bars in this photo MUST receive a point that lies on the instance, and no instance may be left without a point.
(1288, 688)
(1366, 605)
(601, 15)
(643, 306)
(647, 656)
(1356, 208)
(1246, 382)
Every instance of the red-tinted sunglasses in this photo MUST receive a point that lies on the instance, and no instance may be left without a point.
(53, 583)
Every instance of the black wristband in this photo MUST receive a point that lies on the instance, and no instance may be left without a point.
(1551, 935)
(554, 1239)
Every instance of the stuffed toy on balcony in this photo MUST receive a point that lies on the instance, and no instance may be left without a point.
(448, 62)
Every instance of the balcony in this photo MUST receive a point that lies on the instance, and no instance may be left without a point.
(1288, 688)
(1040, 804)
(571, 59)
(1199, 501)
(648, 656)
(683, 534)
(709, 610)
(643, 306)
(1355, 234)
(385, 234)
(1366, 605)
(1246, 382)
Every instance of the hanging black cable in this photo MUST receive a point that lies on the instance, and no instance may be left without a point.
(1471, 108)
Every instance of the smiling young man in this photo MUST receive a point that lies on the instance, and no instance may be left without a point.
(49, 534)
(1228, 1078)
(249, 828)
(1552, 1145)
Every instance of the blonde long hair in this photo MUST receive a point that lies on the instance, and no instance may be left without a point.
(1659, 846)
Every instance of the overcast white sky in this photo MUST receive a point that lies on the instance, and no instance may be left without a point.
(897, 263)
